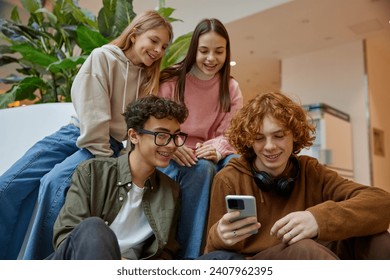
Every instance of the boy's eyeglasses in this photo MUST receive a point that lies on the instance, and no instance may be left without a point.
(163, 138)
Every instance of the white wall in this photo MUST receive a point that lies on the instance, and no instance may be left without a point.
(378, 69)
(336, 77)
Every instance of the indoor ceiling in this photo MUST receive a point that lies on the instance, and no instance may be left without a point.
(262, 32)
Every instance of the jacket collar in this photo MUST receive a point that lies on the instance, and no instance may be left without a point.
(124, 175)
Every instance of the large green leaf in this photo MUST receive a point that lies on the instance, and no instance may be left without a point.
(166, 13)
(24, 90)
(88, 39)
(65, 64)
(81, 16)
(6, 99)
(15, 15)
(177, 50)
(52, 18)
(106, 18)
(124, 14)
(35, 56)
(114, 17)
(31, 5)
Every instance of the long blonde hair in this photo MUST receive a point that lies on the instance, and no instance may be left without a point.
(141, 23)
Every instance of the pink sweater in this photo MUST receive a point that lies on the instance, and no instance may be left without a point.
(205, 124)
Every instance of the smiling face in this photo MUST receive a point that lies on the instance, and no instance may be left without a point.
(149, 46)
(211, 54)
(146, 151)
(273, 147)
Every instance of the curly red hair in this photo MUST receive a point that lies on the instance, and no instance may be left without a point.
(247, 123)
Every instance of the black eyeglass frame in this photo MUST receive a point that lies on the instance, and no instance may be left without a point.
(183, 136)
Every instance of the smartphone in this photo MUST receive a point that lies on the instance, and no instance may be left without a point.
(245, 204)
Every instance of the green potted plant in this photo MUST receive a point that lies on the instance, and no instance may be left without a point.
(53, 44)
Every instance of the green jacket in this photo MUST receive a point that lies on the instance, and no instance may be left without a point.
(99, 187)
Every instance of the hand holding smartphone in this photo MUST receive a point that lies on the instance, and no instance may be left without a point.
(245, 204)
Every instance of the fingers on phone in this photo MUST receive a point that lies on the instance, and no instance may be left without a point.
(232, 216)
(245, 231)
(248, 225)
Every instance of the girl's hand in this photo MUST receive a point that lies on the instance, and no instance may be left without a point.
(185, 156)
(207, 152)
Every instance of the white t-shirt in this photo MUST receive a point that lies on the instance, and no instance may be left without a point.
(131, 226)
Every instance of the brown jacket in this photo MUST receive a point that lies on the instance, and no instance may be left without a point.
(341, 207)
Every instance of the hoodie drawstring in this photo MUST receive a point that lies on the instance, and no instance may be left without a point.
(138, 85)
(261, 197)
(125, 93)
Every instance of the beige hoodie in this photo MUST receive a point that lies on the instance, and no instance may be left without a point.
(106, 83)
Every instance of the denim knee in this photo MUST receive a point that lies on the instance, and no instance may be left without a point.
(205, 167)
(95, 233)
(92, 239)
(92, 224)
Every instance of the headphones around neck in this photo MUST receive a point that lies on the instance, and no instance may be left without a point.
(282, 186)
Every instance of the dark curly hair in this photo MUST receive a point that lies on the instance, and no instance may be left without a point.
(247, 123)
(139, 111)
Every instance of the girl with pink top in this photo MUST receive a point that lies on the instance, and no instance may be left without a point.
(202, 81)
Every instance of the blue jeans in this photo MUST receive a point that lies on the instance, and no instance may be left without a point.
(43, 173)
(195, 184)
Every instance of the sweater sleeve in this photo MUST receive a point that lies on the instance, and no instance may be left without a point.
(348, 208)
(220, 142)
(220, 189)
(90, 97)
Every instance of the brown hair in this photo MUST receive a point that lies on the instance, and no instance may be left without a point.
(141, 23)
(246, 124)
(182, 68)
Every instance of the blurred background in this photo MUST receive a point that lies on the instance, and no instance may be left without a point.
(329, 52)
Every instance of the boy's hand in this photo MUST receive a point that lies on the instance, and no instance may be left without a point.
(232, 232)
(295, 226)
